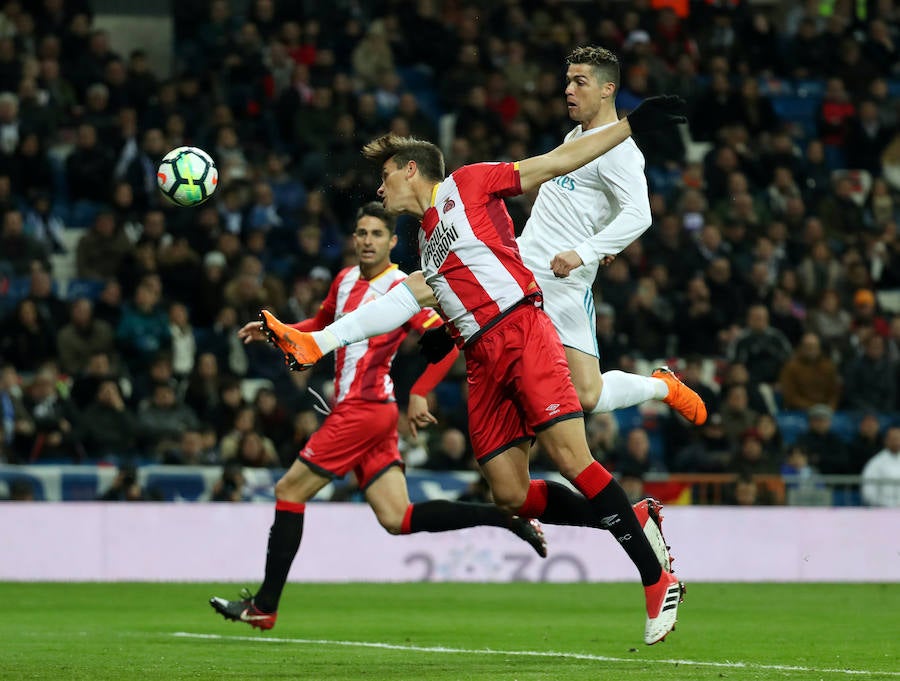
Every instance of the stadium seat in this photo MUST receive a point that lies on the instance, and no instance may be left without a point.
(84, 288)
(800, 110)
(792, 425)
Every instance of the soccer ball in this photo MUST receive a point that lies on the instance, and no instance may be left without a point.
(187, 176)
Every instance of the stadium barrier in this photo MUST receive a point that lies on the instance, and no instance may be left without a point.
(195, 483)
(342, 542)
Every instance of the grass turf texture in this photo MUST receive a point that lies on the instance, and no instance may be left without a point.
(128, 631)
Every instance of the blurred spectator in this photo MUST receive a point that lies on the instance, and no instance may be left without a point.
(449, 453)
(183, 342)
(44, 224)
(866, 441)
(163, 418)
(125, 486)
(272, 419)
(82, 338)
(190, 451)
(98, 368)
(18, 250)
(256, 451)
(750, 457)
(202, 390)
(26, 340)
(143, 329)
(867, 138)
(635, 456)
(89, 161)
(107, 427)
(698, 324)
(870, 378)
(766, 429)
(223, 342)
(747, 492)
(603, 435)
(737, 416)
(613, 342)
(830, 322)
(809, 377)
(230, 486)
(881, 475)
(826, 450)
(866, 315)
(786, 315)
(54, 418)
(710, 453)
(761, 348)
(52, 310)
(305, 423)
(819, 271)
(102, 249)
(16, 427)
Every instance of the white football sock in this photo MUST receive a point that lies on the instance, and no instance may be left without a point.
(383, 314)
(621, 390)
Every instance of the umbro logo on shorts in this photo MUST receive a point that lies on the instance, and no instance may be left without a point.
(552, 409)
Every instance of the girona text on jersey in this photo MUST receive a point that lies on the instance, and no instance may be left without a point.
(440, 243)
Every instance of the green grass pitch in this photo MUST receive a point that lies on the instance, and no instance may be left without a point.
(444, 632)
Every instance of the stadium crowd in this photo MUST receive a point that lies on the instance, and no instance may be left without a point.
(769, 278)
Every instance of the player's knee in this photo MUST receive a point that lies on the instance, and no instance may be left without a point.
(390, 521)
(588, 396)
(287, 489)
(511, 499)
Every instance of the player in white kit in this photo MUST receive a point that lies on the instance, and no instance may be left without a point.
(584, 219)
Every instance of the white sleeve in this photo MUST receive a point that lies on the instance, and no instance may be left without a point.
(382, 315)
(623, 173)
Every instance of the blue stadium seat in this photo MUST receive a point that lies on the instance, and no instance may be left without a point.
(84, 288)
(792, 425)
(17, 288)
(809, 88)
(800, 110)
(844, 425)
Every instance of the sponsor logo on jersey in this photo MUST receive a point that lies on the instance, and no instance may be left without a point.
(440, 243)
(565, 182)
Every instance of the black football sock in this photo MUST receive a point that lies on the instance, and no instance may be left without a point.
(612, 508)
(555, 504)
(441, 516)
(284, 541)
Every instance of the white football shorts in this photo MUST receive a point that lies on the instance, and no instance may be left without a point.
(571, 309)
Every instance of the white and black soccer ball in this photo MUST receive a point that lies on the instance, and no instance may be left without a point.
(187, 176)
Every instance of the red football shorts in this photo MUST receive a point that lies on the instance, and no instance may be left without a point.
(518, 382)
(358, 435)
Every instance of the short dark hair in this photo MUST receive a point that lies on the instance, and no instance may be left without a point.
(376, 210)
(427, 156)
(604, 62)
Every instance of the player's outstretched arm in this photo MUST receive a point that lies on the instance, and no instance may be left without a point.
(651, 114)
(382, 315)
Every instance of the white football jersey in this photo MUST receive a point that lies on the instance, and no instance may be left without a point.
(596, 211)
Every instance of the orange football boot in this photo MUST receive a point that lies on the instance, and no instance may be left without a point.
(300, 350)
(681, 398)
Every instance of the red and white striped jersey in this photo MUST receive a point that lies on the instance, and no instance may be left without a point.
(362, 370)
(468, 249)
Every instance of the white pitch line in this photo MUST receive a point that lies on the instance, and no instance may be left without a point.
(535, 653)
